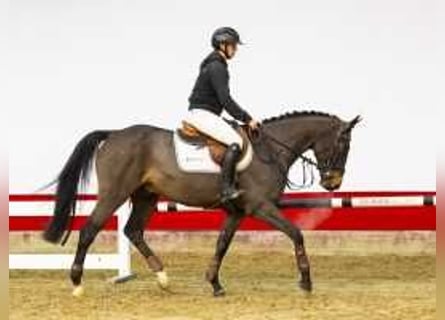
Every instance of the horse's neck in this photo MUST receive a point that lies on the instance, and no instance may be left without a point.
(298, 134)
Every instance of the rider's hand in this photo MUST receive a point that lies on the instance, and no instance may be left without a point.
(253, 124)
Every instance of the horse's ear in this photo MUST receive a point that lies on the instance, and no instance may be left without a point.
(351, 124)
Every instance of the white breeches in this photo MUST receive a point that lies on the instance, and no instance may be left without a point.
(214, 126)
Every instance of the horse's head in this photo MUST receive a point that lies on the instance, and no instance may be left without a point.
(331, 151)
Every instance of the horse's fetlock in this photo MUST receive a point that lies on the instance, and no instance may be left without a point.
(76, 274)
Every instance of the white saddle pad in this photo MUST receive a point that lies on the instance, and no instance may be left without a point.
(192, 158)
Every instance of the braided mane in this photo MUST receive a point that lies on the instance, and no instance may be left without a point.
(297, 114)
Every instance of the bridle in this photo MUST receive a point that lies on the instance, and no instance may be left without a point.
(325, 167)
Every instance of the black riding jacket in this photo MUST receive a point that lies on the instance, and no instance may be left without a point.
(211, 90)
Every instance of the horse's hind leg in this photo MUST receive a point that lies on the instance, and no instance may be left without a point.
(106, 205)
(144, 203)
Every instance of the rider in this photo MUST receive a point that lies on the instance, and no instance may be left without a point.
(210, 96)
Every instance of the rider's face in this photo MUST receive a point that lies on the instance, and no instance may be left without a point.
(230, 50)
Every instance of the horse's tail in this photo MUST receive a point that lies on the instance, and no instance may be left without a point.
(76, 171)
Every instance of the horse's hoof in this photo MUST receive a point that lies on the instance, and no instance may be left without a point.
(306, 286)
(162, 279)
(78, 291)
(219, 293)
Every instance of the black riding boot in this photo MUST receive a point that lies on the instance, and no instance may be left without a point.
(231, 156)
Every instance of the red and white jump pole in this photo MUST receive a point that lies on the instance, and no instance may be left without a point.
(310, 210)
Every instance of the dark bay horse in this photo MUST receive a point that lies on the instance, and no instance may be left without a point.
(139, 163)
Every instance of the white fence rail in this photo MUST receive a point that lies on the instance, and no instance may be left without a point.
(119, 261)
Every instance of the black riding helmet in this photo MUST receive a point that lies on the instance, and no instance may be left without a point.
(225, 35)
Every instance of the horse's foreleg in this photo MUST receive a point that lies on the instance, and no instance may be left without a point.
(225, 237)
(144, 204)
(271, 214)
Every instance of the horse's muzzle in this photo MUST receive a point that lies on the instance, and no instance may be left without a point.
(331, 180)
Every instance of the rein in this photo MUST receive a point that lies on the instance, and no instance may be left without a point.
(284, 171)
(290, 150)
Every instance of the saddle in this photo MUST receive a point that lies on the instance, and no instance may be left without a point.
(189, 134)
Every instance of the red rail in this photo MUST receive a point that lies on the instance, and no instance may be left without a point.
(349, 218)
